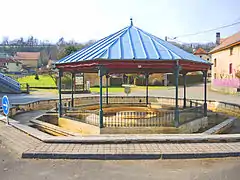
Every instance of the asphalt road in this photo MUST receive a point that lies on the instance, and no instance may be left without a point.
(195, 92)
(14, 168)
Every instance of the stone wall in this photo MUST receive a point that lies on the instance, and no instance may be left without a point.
(194, 126)
(139, 130)
(78, 127)
(224, 89)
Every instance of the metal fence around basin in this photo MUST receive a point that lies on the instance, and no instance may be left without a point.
(217, 106)
(138, 119)
(135, 118)
(85, 116)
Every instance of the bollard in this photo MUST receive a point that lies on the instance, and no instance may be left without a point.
(28, 89)
(69, 104)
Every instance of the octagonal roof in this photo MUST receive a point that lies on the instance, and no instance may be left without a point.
(131, 43)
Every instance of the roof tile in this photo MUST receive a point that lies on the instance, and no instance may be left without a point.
(27, 55)
(227, 42)
(200, 51)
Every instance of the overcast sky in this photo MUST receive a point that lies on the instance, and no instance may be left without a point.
(84, 20)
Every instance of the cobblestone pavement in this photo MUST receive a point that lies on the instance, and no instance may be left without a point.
(33, 148)
(30, 147)
(17, 140)
(14, 168)
(134, 151)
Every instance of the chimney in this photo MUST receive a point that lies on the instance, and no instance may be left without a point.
(217, 38)
(166, 38)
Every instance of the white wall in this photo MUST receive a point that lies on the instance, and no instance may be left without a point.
(13, 67)
(223, 59)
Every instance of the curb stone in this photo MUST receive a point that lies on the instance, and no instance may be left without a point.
(31, 155)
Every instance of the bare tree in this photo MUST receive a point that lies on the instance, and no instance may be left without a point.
(5, 40)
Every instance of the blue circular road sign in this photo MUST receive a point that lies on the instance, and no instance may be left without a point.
(5, 105)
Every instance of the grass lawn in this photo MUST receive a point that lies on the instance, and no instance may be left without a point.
(44, 81)
(47, 81)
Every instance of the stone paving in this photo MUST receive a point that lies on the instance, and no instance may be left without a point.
(17, 140)
(29, 147)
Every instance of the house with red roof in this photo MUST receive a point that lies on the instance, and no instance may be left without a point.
(30, 60)
(204, 55)
(226, 63)
(9, 64)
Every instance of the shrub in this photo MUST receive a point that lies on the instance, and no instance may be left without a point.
(36, 77)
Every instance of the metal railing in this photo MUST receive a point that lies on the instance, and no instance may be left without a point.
(25, 88)
(82, 115)
(163, 118)
(159, 117)
(138, 119)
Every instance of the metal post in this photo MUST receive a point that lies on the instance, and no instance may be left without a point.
(176, 96)
(60, 93)
(184, 90)
(28, 89)
(73, 76)
(83, 82)
(100, 100)
(205, 92)
(146, 78)
(107, 77)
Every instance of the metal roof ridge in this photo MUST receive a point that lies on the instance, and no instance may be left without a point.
(88, 48)
(110, 42)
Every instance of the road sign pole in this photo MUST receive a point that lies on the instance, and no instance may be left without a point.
(7, 120)
(6, 107)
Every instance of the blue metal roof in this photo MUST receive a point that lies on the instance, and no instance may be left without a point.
(131, 43)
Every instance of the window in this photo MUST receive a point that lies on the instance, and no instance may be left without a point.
(215, 76)
(231, 51)
(230, 68)
(215, 62)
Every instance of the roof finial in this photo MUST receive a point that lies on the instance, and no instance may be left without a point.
(131, 21)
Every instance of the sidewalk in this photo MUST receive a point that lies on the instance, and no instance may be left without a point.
(29, 147)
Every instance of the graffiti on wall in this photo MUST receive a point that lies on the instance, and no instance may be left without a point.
(228, 80)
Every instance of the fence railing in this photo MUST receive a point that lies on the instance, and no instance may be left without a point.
(25, 88)
(161, 119)
(139, 119)
(86, 116)
(130, 117)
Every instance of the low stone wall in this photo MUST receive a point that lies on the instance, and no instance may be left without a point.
(228, 90)
(140, 130)
(49, 118)
(52, 129)
(37, 105)
(194, 126)
(77, 126)
(222, 127)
